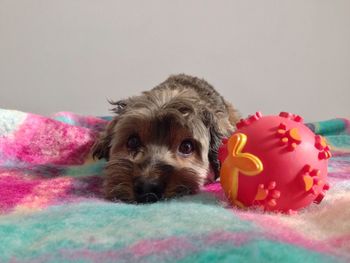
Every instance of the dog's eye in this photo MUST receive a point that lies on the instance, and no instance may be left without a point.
(133, 142)
(186, 147)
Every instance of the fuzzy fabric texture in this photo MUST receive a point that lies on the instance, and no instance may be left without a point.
(51, 208)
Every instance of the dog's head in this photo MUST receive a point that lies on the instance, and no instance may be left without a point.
(159, 145)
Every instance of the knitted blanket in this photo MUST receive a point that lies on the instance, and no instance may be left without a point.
(51, 208)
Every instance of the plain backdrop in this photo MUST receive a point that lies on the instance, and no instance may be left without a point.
(73, 55)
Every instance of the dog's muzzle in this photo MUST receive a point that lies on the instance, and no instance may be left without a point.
(148, 191)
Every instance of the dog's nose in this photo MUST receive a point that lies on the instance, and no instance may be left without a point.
(148, 191)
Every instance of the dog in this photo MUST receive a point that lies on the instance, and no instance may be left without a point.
(164, 143)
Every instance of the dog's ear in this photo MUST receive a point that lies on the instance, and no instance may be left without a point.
(119, 106)
(103, 145)
(216, 136)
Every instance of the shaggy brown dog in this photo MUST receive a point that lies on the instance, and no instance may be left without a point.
(165, 142)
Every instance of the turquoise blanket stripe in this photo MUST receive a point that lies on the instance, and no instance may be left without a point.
(189, 232)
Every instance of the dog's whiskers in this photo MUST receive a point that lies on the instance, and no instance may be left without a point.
(121, 191)
(179, 191)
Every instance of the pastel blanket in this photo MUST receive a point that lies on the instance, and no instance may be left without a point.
(51, 208)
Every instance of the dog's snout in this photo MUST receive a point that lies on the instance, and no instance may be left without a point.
(148, 191)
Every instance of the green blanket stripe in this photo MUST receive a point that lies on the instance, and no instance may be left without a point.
(330, 127)
(71, 227)
(260, 250)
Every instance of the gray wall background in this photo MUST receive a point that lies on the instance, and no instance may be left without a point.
(72, 55)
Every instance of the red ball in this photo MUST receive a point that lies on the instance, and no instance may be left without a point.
(274, 162)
